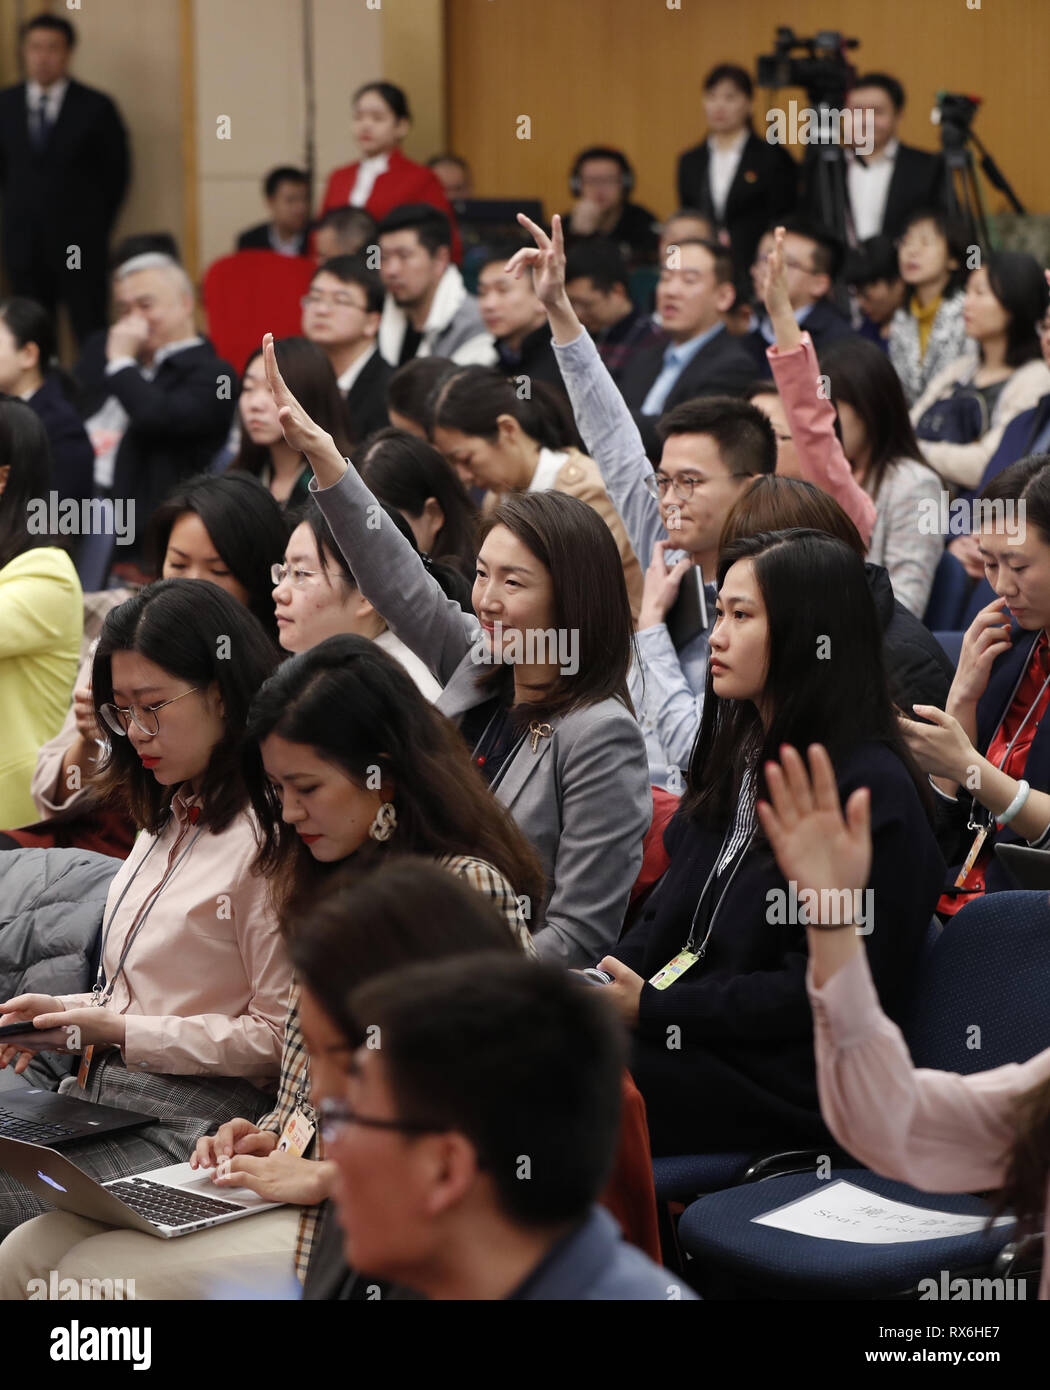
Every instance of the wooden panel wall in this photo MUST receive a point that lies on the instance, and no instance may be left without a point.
(628, 73)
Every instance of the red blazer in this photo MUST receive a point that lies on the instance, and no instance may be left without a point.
(404, 182)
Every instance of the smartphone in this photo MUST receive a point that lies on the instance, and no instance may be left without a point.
(687, 616)
(596, 976)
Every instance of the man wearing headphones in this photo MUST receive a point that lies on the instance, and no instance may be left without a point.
(601, 182)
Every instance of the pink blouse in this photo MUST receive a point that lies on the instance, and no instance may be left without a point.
(934, 1129)
(812, 419)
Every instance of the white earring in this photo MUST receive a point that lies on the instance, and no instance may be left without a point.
(385, 822)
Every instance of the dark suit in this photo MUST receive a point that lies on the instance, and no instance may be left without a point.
(178, 423)
(823, 323)
(64, 196)
(742, 1073)
(534, 358)
(917, 182)
(258, 239)
(366, 399)
(762, 193)
(71, 451)
(721, 367)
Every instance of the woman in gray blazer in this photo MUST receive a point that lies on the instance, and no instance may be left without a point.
(537, 680)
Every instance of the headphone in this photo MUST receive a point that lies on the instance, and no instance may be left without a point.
(601, 152)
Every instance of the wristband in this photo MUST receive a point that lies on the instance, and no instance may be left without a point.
(1016, 805)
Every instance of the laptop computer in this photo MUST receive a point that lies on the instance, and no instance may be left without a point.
(38, 1116)
(1029, 868)
(166, 1202)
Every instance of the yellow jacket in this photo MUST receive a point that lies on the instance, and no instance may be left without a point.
(41, 621)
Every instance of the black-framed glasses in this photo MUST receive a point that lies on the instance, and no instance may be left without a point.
(336, 1114)
(144, 717)
(315, 299)
(657, 484)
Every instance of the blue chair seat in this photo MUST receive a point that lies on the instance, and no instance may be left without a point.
(719, 1230)
(680, 1177)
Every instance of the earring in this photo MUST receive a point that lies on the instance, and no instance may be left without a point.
(385, 822)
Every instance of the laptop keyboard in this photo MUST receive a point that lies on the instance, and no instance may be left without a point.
(30, 1131)
(168, 1206)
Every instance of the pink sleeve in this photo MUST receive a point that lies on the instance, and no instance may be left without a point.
(812, 419)
(936, 1130)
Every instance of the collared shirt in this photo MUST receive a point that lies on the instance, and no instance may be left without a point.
(204, 988)
(367, 173)
(356, 367)
(53, 96)
(722, 165)
(107, 427)
(550, 464)
(767, 330)
(676, 358)
(284, 248)
(869, 187)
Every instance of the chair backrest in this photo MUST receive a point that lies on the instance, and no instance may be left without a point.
(251, 293)
(984, 987)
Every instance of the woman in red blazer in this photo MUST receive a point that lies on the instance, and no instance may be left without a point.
(381, 119)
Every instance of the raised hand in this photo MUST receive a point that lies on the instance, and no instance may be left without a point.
(300, 431)
(546, 260)
(777, 298)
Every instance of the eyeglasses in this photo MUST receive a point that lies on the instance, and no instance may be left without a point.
(657, 484)
(296, 575)
(315, 299)
(336, 1115)
(144, 717)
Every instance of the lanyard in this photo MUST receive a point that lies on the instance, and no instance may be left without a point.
(741, 854)
(977, 825)
(103, 996)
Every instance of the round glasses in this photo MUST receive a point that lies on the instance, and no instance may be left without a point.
(144, 717)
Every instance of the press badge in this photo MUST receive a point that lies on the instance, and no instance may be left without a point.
(971, 858)
(296, 1136)
(671, 971)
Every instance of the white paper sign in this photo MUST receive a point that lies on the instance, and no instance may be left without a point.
(842, 1211)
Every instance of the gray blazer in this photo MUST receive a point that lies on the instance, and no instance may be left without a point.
(582, 798)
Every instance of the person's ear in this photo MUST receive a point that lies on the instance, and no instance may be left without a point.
(443, 258)
(5, 473)
(371, 326)
(434, 512)
(509, 430)
(725, 297)
(450, 1171)
(361, 606)
(821, 285)
(401, 128)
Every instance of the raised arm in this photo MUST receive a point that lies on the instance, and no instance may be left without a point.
(602, 416)
(934, 1129)
(810, 413)
(388, 571)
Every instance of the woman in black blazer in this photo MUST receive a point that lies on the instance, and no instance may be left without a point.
(27, 348)
(712, 975)
(764, 184)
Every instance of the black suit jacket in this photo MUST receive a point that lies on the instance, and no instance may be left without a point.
(721, 367)
(366, 399)
(823, 323)
(71, 451)
(178, 421)
(69, 193)
(763, 191)
(917, 182)
(258, 239)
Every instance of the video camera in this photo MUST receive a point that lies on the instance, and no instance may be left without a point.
(824, 72)
(954, 113)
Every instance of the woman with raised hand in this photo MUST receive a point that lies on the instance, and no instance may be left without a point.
(849, 420)
(537, 680)
(937, 1130)
(711, 976)
(185, 1020)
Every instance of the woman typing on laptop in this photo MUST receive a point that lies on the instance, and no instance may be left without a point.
(184, 1022)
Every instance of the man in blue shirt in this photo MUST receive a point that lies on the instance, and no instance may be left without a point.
(480, 1124)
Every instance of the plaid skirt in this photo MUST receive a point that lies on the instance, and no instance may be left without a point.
(186, 1108)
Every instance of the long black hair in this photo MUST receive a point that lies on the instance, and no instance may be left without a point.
(26, 453)
(199, 633)
(360, 710)
(825, 680)
(245, 524)
(1018, 283)
(861, 374)
(404, 471)
(312, 381)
